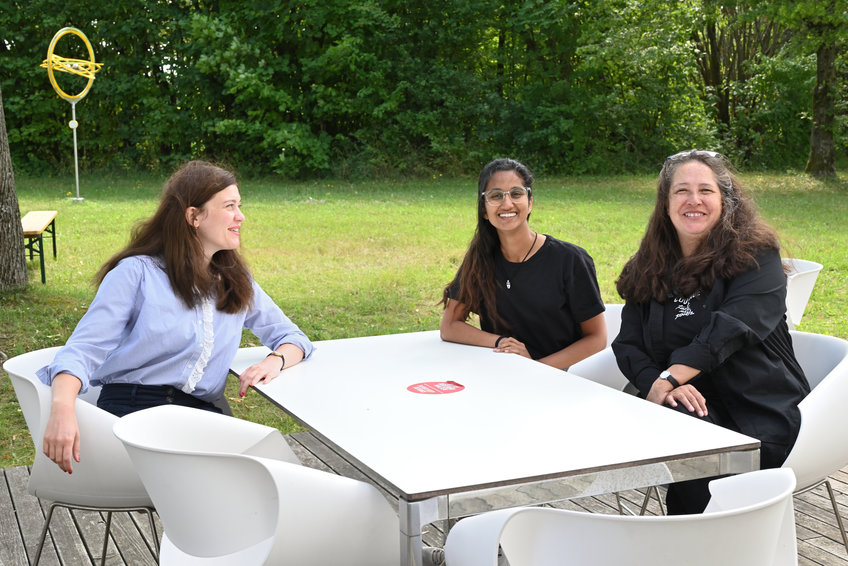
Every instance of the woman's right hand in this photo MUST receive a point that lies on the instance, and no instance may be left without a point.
(61, 437)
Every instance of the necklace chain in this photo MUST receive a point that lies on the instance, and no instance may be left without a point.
(508, 283)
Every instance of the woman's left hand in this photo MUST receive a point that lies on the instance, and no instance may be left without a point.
(686, 394)
(266, 370)
(510, 345)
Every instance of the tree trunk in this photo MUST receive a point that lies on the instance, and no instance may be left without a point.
(821, 160)
(13, 272)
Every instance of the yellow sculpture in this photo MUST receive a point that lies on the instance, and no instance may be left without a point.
(79, 67)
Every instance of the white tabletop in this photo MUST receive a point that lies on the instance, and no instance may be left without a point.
(515, 421)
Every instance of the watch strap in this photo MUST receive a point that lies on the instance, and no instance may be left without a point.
(670, 378)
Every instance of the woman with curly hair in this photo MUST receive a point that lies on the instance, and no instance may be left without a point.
(703, 328)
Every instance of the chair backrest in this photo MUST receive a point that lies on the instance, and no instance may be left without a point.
(800, 280)
(244, 509)
(105, 476)
(819, 449)
(601, 367)
(613, 319)
(748, 528)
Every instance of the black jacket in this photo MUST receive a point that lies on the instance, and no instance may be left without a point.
(736, 334)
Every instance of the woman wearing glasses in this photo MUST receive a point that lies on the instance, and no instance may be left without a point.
(703, 328)
(536, 296)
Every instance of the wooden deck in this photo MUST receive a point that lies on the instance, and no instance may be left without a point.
(76, 537)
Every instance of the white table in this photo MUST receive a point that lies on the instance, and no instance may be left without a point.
(518, 433)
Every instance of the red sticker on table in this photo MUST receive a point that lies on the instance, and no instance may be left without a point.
(435, 387)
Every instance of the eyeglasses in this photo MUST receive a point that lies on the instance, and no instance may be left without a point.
(496, 196)
(693, 153)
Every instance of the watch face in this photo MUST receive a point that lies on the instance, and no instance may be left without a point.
(665, 374)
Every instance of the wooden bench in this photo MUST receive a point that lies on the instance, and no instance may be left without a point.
(35, 223)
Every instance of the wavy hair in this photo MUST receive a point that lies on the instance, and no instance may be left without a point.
(658, 268)
(476, 275)
(168, 235)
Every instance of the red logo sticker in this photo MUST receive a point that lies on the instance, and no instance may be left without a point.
(435, 387)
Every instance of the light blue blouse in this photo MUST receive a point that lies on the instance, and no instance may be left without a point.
(138, 331)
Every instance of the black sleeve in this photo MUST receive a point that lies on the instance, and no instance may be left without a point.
(631, 352)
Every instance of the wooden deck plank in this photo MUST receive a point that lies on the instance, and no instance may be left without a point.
(78, 535)
(12, 550)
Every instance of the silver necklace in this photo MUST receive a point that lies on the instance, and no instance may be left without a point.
(508, 284)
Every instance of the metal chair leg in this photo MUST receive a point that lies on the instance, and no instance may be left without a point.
(153, 531)
(836, 512)
(106, 538)
(622, 508)
(43, 534)
(53, 505)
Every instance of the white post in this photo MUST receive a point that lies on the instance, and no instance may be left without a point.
(73, 125)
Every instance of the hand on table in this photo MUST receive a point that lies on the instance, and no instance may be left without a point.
(510, 345)
(266, 370)
(663, 393)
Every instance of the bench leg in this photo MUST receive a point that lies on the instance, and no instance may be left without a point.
(52, 230)
(41, 258)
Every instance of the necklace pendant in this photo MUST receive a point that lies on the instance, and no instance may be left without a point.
(508, 286)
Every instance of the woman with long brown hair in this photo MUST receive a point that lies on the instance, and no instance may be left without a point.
(168, 314)
(536, 296)
(703, 327)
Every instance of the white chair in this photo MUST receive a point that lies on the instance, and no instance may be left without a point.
(613, 319)
(602, 368)
(103, 480)
(820, 449)
(748, 522)
(225, 497)
(800, 279)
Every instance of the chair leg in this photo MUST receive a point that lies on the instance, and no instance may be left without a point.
(622, 508)
(155, 536)
(43, 534)
(836, 512)
(106, 538)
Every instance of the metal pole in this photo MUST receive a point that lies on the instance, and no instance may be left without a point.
(73, 125)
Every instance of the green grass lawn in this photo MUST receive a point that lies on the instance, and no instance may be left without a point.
(353, 259)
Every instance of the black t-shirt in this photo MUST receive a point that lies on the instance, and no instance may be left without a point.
(550, 294)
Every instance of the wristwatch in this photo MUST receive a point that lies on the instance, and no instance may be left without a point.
(666, 375)
(278, 355)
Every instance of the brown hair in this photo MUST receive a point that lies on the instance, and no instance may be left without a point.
(658, 267)
(476, 277)
(169, 236)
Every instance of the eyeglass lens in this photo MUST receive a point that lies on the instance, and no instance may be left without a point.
(497, 195)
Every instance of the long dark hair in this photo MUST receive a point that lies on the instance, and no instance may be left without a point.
(476, 276)
(167, 234)
(659, 267)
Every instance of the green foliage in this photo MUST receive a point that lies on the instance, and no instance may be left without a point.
(356, 88)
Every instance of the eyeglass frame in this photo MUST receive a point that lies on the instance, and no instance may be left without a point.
(528, 192)
(695, 153)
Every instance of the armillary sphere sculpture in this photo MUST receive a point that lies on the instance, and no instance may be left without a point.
(79, 67)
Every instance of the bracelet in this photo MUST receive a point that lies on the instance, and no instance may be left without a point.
(278, 355)
(498, 341)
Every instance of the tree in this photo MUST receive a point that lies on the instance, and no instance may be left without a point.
(13, 273)
(821, 160)
(821, 29)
